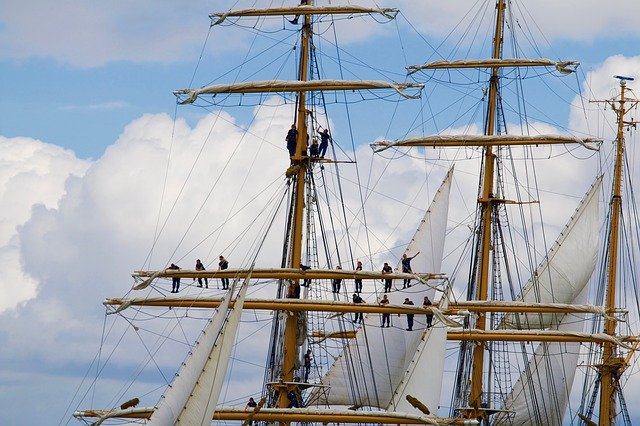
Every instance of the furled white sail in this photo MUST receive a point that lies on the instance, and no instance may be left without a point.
(542, 392)
(568, 266)
(373, 364)
(192, 397)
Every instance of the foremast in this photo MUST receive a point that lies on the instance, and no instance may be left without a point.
(613, 365)
(290, 338)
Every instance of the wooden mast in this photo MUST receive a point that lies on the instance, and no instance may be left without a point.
(486, 203)
(290, 338)
(613, 364)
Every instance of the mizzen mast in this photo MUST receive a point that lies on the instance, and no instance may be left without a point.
(613, 364)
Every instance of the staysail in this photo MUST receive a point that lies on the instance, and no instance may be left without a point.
(568, 266)
(363, 376)
(192, 397)
(543, 388)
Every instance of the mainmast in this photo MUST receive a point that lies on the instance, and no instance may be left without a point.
(486, 203)
(612, 366)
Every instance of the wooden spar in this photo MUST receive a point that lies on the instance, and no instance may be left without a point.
(302, 10)
(303, 305)
(281, 86)
(562, 66)
(448, 141)
(292, 415)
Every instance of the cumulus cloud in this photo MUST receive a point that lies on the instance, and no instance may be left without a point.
(167, 192)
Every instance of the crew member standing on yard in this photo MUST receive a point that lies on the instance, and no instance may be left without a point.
(386, 269)
(314, 149)
(325, 138)
(200, 267)
(358, 281)
(427, 304)
(251, 404)
(358, 299)
(307, 365)
(385, 317)
(337, 282)
(222, 265)
(409, 316)
(406, 268)
(175, 281)
(292, 138)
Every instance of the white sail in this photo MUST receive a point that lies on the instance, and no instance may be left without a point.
(378, 358)
(568, 266)
(542, 392)
(431, 353)
(192, 397)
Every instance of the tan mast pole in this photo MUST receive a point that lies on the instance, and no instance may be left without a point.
(475, 398)
(611, 364)
(289, 352)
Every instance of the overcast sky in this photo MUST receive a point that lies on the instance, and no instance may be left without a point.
(87, 126)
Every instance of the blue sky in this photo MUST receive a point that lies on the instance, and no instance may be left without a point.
(84, 88)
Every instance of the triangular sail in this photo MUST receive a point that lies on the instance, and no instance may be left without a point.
(542, 392)
(426, 366)
(568, 266)
(192, 397)
(373, 364)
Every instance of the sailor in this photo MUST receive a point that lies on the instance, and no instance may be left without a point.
(409, 316)
(358, 281)
(314, 150)
(222, 265)
(386, 269)
(251, 405)
(175, 281)
(200, 267)
(337, 282)
(427, 304)
(357, 299)
(292, 138)
(325, 138)
(307, 281)
(307, 365)
(406, 268)
(386, 318)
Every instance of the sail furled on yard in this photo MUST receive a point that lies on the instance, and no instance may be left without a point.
(377, 360)
(193, 396)
(568, 266)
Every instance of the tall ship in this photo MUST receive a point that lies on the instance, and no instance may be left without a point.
(413, 271)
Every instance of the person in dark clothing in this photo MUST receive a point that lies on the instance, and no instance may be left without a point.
(200, 267)
(293, 399)
(357, 299)
(175, 281)
(409, 316)
(307, 281)
(406, 268)
(386, 269)
(307, 365)
(427, 304)
(314, 149)
(337, 282)
(222, 265)
(386, 318)
(358, 281)
(325, 138)
(292, 138)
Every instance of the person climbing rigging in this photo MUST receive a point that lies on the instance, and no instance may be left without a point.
(325, 139)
